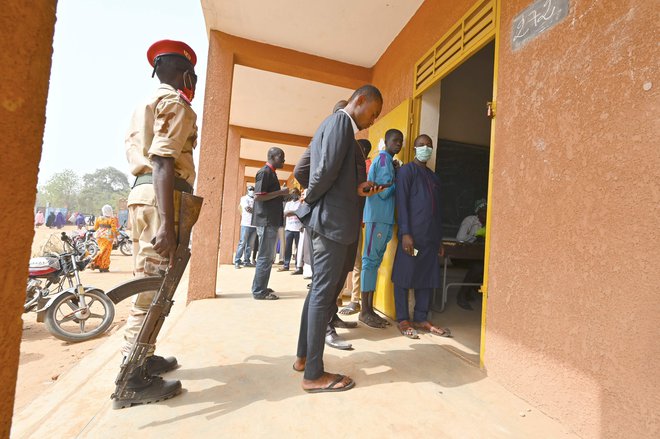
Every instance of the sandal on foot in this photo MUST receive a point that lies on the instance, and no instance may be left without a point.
(331, 387)
(406, 330)
(349, 309)
(371, 321)
(297, 370)
(428, 327)
(267, 296)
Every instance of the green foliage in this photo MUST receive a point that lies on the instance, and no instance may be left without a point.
(103, 186)
(62, 189)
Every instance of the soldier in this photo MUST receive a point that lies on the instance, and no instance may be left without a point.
(159, 148)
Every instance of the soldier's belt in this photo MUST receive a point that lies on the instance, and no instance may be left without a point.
(179, 183)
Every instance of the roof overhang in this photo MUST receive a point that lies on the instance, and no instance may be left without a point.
(299, 58)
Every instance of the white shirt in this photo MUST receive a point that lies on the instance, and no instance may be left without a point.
(246, 217)
(355, 127)
(469, 228)
(293, 223)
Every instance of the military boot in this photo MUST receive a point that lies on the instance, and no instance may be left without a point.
(157, 365)
(144, 389)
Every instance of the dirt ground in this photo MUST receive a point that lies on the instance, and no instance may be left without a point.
(43, 357)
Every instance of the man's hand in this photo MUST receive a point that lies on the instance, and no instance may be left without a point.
(165, 243)
(249, 209)
(373, 189)
(441, 251)
(408, 244)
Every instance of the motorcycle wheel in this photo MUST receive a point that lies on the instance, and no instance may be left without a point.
(92, 249)
(64, 321)
(126, 248)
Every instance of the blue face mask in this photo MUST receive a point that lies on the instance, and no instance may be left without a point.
(423, 153)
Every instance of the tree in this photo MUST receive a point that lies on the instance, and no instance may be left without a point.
(61, 190)
(103, 186)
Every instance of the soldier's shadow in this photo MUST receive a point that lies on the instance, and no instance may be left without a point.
(261, 378)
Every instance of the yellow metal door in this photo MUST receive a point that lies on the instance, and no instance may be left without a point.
(398, 118)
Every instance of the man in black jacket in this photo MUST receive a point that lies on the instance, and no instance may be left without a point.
(331, 214)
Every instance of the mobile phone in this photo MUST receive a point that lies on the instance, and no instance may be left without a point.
(366, 190)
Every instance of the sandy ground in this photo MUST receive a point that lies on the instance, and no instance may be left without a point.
(43, 357)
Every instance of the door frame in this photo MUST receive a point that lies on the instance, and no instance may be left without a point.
(494, 35)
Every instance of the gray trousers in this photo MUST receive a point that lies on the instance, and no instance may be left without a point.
(328, 258)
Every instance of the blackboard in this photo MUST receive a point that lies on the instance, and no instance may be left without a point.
(463, 172)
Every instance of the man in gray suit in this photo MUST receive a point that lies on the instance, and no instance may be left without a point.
(331, 214)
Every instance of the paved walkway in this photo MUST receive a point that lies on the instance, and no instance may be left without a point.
(236, 355)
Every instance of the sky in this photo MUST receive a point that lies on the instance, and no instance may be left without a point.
(100, 73)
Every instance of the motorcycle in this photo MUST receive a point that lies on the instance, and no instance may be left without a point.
(123, 242)
(85, 242)
(71, 311)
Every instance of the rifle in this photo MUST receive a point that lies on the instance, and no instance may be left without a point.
(162, 302)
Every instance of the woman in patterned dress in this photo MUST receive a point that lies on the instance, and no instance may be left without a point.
(106, 233)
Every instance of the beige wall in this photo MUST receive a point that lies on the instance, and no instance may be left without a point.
(26, 37)
(572, 311)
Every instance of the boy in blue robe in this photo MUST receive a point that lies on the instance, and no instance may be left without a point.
(378, 225)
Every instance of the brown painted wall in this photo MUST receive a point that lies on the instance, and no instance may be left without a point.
(26, 39)
(572, 311)
(393, 73)
(211, 176)
(230, 199)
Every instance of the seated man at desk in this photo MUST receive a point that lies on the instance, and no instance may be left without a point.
(472, 230)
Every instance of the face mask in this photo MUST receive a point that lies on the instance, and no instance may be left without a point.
(188, 89)
(251, 194)
(189, 93)
(423, 153)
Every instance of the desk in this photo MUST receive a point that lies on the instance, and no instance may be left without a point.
(457, 250)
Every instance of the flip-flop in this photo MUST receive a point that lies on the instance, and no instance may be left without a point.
(293, 366)
(349, 309)
(330, 387)
(446, 332)
(269, 296)
(407, 331)
(428, 327)
(339, 323)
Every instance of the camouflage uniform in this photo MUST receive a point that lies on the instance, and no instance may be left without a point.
(163, 126)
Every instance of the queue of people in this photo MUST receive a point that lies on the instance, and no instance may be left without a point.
(338, 196)
(341, 195)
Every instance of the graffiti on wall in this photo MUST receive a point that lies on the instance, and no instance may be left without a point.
(536, 19)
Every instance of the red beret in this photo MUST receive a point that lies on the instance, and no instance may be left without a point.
(171, 47)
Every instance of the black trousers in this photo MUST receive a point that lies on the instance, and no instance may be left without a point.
(475, 274)
(328, 258)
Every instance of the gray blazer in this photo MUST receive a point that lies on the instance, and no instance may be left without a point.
(332, 192)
